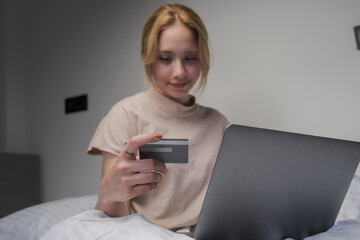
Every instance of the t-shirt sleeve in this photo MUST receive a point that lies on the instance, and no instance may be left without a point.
(114, 130)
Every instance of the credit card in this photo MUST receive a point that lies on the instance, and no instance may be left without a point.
(167, 150)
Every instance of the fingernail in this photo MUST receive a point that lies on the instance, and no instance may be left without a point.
(158, 135)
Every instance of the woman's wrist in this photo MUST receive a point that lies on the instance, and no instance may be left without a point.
(112, 208)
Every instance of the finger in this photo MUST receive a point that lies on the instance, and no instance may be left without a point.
(142, 188)
(135, 142)
(146, 165)
(146, 178)
(129, 155)
(131, 180)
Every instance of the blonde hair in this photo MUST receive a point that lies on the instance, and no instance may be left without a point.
(162, 18)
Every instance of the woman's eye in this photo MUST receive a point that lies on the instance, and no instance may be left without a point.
(191, 59)
(165, 59)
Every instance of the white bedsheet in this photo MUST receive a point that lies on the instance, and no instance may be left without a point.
(91, 225)
(351, 205)
(74, 213)
(342, 230)
(32, 222)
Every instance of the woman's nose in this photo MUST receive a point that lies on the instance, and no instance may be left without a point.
(179, 70)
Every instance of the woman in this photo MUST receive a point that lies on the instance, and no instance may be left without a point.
(176, 56)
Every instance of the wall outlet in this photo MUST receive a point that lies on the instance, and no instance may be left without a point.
(76, 104)
(357, 36)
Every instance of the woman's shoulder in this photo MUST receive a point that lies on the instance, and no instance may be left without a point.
(131, 102)
(207, 112)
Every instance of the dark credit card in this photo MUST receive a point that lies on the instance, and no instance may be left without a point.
(167, 150)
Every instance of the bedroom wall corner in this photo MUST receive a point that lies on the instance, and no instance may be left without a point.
(2, 73)
(15, 77)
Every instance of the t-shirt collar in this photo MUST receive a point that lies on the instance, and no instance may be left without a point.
(173, 107)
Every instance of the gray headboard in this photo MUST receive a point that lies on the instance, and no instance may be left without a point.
(19, 182)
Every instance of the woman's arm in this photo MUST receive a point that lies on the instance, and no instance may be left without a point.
(125, 177)
(114, 209)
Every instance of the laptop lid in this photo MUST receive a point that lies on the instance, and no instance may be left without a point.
(274, 185)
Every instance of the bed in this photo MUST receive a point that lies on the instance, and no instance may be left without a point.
(75, 218)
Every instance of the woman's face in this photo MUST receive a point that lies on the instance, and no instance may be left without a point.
(177, 67)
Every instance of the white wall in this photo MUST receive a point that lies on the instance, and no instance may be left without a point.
(287, 65)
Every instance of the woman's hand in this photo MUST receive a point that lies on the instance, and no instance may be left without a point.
(125, 177)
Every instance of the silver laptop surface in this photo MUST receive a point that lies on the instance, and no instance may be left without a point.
(272, 185)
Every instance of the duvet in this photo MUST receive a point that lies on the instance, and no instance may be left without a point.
(74, 218)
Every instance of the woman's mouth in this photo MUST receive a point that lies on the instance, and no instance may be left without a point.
(179, 85)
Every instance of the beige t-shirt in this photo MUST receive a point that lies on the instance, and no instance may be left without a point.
(177, 200)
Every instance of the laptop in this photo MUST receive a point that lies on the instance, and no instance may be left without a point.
(273, 185)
